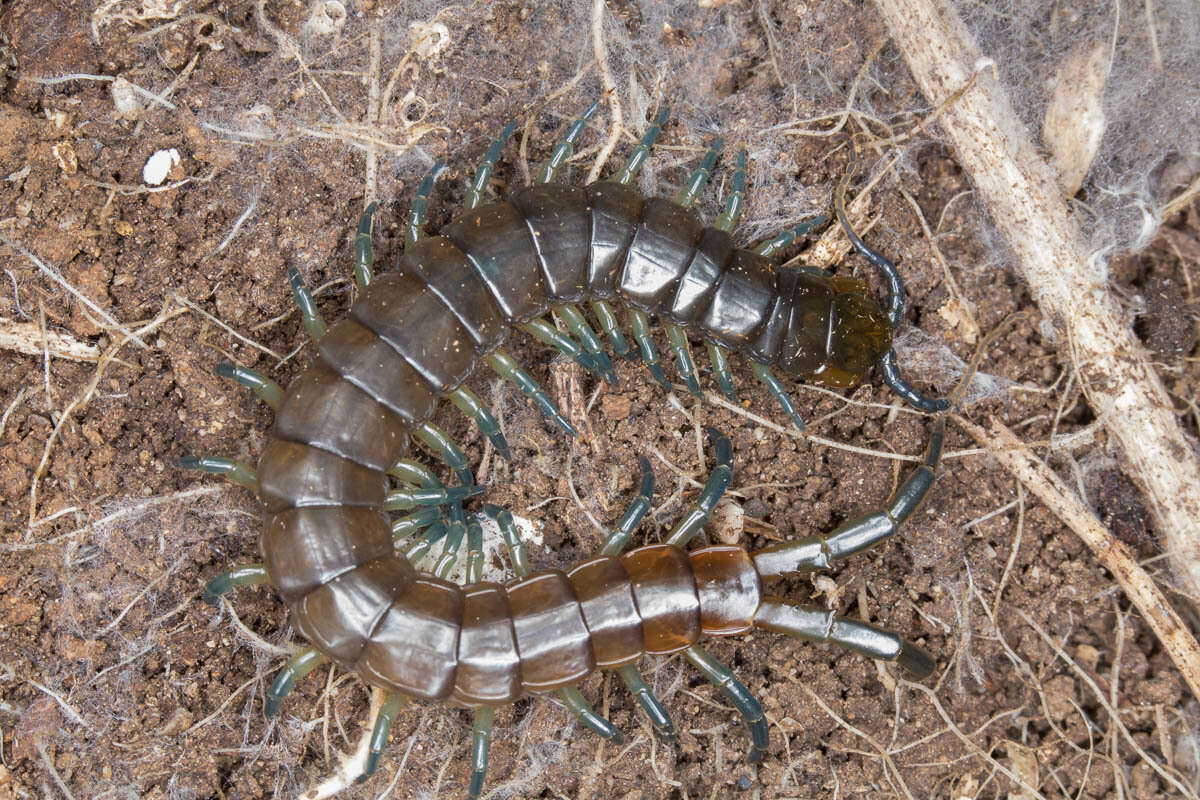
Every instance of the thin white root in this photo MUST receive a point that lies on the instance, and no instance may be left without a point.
(1068, 282)
(349, 766)
(1112, 553)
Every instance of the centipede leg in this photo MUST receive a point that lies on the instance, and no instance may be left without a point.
(619, 536)
(405, 499)
(469, 403)
(456, 533)
(420, 205)
(420, 548)
(575, 322)
(608, 324)
(364, 253)
(230, 469)
(406, 526)
(818, 624)
(784, 239)
(241, 575)
(484, 173)
(718, 480)
(578, 705)
(720, 365)
(728, 219)
(263, 387)
(819, 552)
(639, 154)
(764, 374)
(545, 333)
(313, 322)
(686, 196)
(565, 147)
(721, 677)
(474, 551)
(506, 367)
(295, 669)
(683, 357)
(481, 742)
(512, 537)
(436, 440)
(392, 703)
(658, 715)
(641, 334)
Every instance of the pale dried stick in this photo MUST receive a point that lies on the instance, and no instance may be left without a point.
(1067, 279)
(1113, 554)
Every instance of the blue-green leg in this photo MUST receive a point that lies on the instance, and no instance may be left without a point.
(573, 319)
(230, 469)
(720, 365)
(420, 205)
(566, 146)
(718, 480)
(782, 240)
(263, 387)
(506, 367)
(241, 575)
(737, 193)
(486, 167)
(686, 196)
(474, 550)
(392, 703)
(295, 669)
(677, 338)
(469, 403)
(639, 154)
(578, 705)
(641, 334)
(481, 742)
(420, 548)
(406, 499)
(406, 526)
(313, 322)
(610, 326)
(619, 536)
(512, 537)
(721, 677)
(456, 533)
(764, 374)
(364, 253)
(545, 333)
(436, 440)
(658, 715)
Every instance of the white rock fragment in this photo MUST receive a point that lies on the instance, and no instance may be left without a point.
(125, 99)
(159, 165)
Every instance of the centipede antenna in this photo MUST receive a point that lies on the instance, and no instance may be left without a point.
(436, 440)
(484, 173)
(764, 374)
(420, 205)
(895, 381)
(720, 676)
(583, 711)
(686, 196)
(392, 703)
(241, 575)
(364, 252)
(263, 387)
(639, 154)
(566, 146)
(786, 238)
(818, 624)
(820, 552)
(737, 193)
(641, 334)
(720, 365)
(887, 269)
(506, 367)
(619, 536)
(608, 323)
(576, 323)
(474, 550)
(683, 358)
(512, 538)
(404, 527)
(420, 548)
(718, 480)
(405, 499)
(294, 670)
(230, 469)
(658, 715)
(545, 333)
(469, 403)
(313, 322)
(481, 742)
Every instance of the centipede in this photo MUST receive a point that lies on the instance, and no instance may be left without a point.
(362, 584)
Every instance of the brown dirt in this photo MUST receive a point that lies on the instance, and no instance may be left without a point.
(116, 680)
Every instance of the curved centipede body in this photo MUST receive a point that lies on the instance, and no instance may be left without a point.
(413, 337)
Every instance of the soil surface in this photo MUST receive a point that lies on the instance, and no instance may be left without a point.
(117, 680)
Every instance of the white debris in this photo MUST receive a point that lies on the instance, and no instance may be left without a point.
(159, 165)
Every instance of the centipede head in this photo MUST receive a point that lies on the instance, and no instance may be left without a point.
(837, 331)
